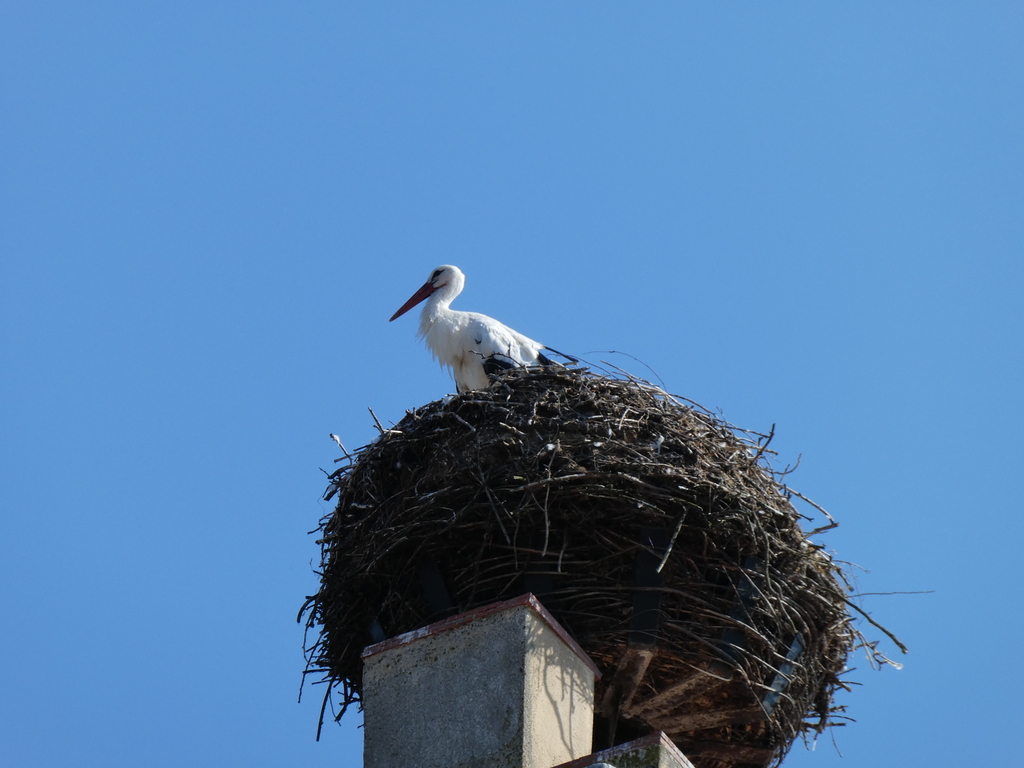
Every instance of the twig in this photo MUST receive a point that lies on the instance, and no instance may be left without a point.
(463, 422)
(671, 543)
(875, 624)
(337, 440)
(764, 446)
(816, 506)
(376, 421)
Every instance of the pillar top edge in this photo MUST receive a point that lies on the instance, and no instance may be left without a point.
(527, 600)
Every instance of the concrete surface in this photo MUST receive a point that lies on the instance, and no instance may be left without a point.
(500, 687)
(653, 751)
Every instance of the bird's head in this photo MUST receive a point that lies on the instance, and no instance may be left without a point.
(445, 276)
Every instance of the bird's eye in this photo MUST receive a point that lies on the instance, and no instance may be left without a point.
(437, 274)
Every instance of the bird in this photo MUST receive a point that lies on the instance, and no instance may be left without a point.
(470, 344)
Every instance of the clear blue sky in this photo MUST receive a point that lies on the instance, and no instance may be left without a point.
(808, 214)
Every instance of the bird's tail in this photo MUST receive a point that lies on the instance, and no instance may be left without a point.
(544, 360)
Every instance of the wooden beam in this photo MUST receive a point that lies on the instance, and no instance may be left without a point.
(698, 721)
(699, 682)
(626, 680)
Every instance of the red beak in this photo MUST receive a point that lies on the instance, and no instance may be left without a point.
(416, 298)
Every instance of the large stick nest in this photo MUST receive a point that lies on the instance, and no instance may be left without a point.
(658, 535)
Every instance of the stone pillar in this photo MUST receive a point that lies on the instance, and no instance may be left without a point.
(502, 686)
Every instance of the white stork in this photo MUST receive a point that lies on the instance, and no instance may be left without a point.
(471, 344)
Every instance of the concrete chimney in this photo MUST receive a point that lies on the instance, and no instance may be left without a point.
(502, 686)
